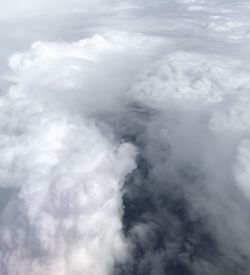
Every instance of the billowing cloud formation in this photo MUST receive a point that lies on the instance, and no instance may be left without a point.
(65, 174)
(193, 168)
(124, 138)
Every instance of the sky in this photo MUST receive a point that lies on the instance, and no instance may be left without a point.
(124, 137)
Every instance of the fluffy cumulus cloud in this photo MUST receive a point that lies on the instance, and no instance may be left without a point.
(64, 173)
(125, 137)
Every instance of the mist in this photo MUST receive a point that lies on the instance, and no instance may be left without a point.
(124, 137)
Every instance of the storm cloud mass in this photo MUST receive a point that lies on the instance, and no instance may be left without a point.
(125, 137)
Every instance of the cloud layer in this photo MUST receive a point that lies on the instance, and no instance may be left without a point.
(124, 138)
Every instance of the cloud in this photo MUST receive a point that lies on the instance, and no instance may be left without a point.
(13, 8)
(65, 172)
(124, 138)
(186, 186)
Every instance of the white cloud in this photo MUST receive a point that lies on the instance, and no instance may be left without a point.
(67, 173)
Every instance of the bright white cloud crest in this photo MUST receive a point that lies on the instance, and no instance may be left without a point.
(68, 175)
